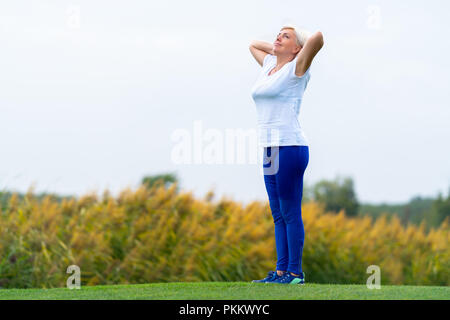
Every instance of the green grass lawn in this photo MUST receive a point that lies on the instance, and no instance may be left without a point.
(230, 291)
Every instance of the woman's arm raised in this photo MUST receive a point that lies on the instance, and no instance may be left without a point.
(308, 52)
(260, 49)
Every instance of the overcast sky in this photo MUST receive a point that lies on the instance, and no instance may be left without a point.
(91, 93)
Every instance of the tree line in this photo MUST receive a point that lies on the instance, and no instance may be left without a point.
(334, 195)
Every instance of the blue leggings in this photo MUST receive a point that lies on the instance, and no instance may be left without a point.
(283, 168)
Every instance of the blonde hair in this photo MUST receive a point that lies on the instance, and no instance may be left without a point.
(301, 34)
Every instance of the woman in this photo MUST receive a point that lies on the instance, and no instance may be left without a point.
(278, 94)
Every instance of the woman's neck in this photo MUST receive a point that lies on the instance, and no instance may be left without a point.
(282, 60)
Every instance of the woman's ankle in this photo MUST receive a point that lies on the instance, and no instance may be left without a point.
(280, 273)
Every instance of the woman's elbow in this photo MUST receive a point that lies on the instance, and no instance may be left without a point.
(319, 36)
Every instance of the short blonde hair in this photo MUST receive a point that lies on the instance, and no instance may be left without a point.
(301, 34)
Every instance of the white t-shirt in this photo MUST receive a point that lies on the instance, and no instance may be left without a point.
(278, 98)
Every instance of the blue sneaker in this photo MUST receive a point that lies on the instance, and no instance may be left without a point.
(290, 279)
(271, 276)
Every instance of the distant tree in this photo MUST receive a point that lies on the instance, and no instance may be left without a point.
(416, 210)
(440, 209)
(308, 192)
(167, 179)
(336, 195)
